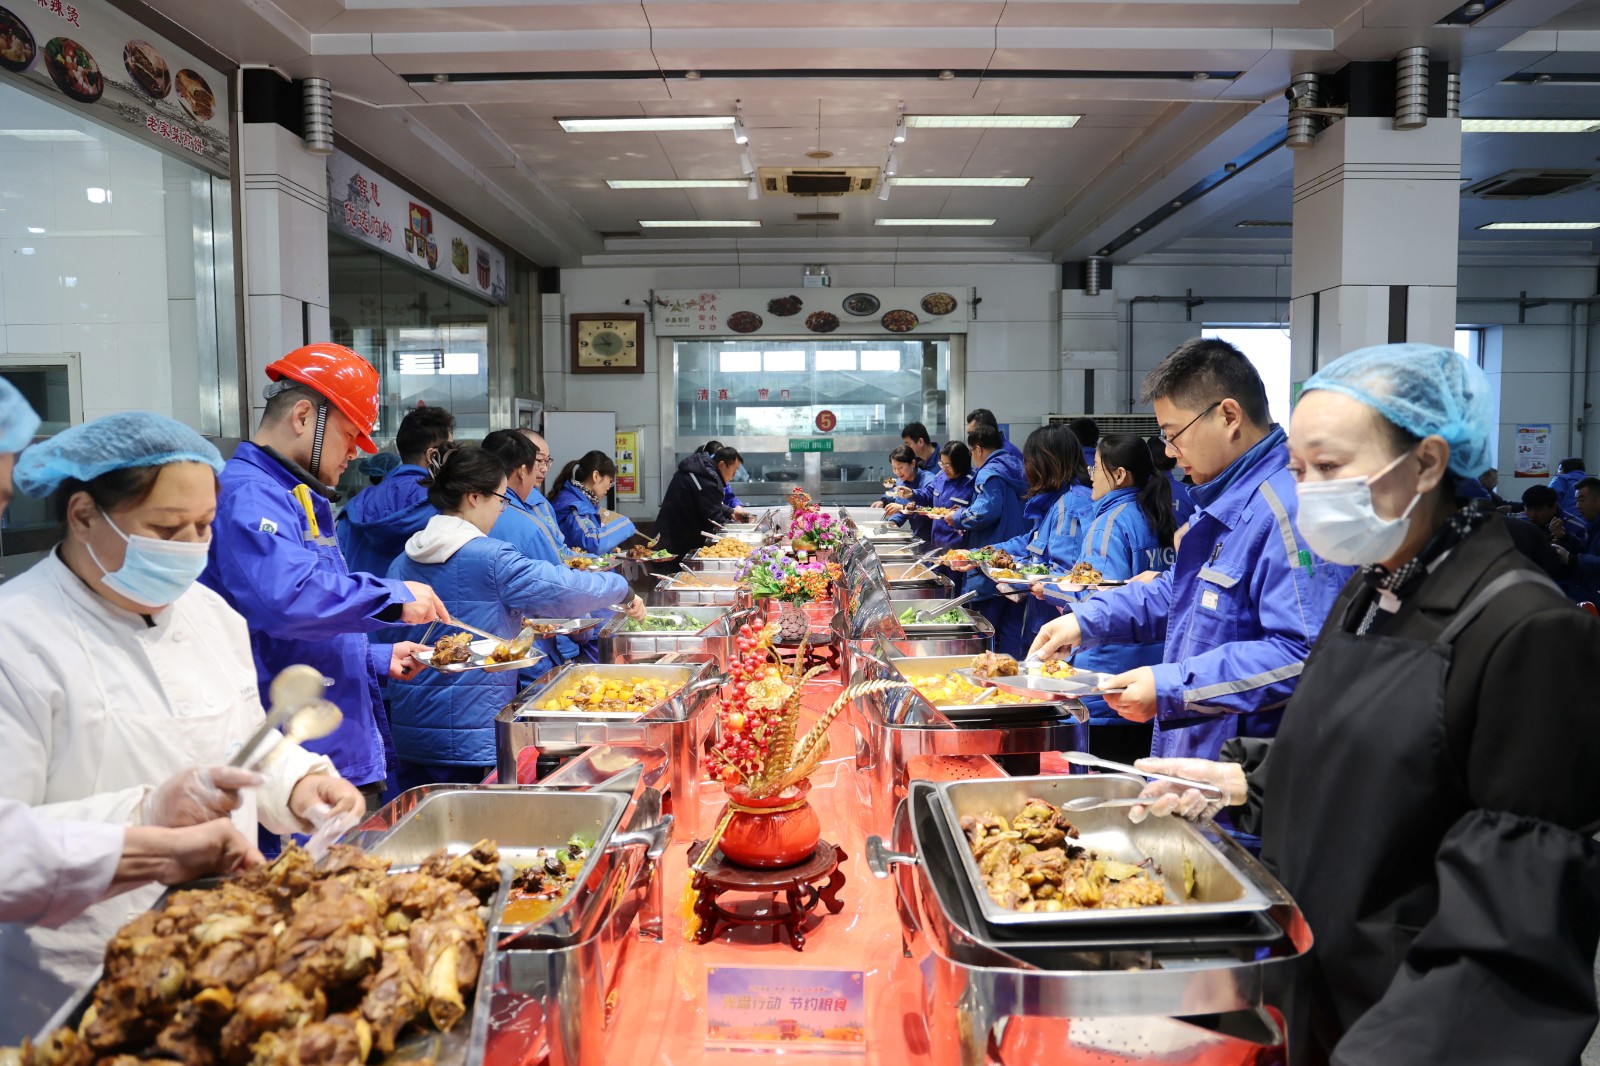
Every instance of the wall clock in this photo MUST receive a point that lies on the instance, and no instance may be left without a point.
(607, 344)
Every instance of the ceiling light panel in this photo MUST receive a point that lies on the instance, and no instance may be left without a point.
(1530, 125)
(679, 183)
(640, 124)
(698, 223)
(1542, 225)
(934, 222)
(965, 183)
(993, 122)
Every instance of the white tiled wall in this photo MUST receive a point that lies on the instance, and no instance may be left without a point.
(88, 271)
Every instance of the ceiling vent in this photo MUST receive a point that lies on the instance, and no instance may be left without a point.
(819, 181)
(1527, 184)
(616, 234)
(816, 216)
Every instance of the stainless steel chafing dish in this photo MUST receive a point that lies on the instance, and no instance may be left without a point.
(897, 729)
(698, 561)
(1180, 992)
(706, 589)
(674, 728)
(914, 581)
(710, 630)
(912, 668)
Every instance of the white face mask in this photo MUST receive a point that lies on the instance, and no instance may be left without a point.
(154, 572)
(1338, 521)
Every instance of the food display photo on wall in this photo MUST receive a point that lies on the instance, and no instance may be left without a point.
(607, 344)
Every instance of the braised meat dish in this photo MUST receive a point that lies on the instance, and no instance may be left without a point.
(1032, 863)
(993, 664)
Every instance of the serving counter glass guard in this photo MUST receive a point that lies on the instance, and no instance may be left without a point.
(847, 398)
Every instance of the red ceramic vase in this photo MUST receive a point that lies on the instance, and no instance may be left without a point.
(768, 837)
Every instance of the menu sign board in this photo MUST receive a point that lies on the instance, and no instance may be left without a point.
(627, 457)
(375, 211)
(1533, 450)
(89, 54)
(802, 311)
(754, 1008)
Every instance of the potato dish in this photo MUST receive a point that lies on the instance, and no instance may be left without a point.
(592, 692)
(953, 690)
(727, 548)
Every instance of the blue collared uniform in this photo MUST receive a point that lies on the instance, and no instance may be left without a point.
(1583, 571)
(1566, 486)
(582, 526)
(274, 560)
(373, 528)
(930, 465)
(1237, 612)
(919, 478)
(1182, 500)
(994, 516)
(448, 719)
(939, 491)
(1057, 535)
(530, 527)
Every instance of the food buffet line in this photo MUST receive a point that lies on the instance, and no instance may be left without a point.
(538, 918)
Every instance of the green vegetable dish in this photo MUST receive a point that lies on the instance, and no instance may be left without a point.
(660, 623)
(953, 617)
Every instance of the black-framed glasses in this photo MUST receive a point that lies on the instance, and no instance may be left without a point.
(1172, 440)
(505, 500)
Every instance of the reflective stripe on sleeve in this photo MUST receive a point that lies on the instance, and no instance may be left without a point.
(1111, 520)
(1291, 550)
(1229, 688)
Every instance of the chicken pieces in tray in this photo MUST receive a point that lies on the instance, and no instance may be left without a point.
(290, 965)
(1032, 863)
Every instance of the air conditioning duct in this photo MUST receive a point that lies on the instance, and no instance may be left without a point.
(1411, 89)
(1304, 93)
(1452, 96)
(1091, 275)
(819, 181)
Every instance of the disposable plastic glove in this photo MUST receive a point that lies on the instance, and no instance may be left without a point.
(1168, 798)
(198, 795)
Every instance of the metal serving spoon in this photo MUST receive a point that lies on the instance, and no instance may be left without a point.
(941, 608)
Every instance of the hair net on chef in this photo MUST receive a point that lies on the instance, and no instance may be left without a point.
(115, 442)
(380, 465)
(18, 423)
(1426, 391)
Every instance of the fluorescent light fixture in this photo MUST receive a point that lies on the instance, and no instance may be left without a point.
(98, 196)
(35, 229)
(676, 183)
(47, 135)
(966, 183)
(1530, 125)
(994, 122)
(1542, 225)
(698, 223)
(934, 222)
(640, 124)
(1264, 223)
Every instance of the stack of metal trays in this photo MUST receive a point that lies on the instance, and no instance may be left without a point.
(710, 589)
(700, 631)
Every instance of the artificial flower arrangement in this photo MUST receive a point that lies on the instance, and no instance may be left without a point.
(773, 574)
(814, 531)
(800, 500)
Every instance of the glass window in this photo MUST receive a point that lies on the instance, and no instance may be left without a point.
(1469, 342)
(113, 249)
(1267, 348)
(869, 394)
(430, 341)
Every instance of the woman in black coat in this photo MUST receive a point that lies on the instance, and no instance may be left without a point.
(1431, 794)
(694, 500)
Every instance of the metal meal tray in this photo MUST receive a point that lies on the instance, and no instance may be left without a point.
(480, 651)
(1222, 890)
(555, 683)
(993, 574)
(608, 563)
(1033, 683)
(912, 668)
(899, 575)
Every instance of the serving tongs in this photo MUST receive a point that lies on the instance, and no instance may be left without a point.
(937, 609)
(1083, 758)
(298, 707)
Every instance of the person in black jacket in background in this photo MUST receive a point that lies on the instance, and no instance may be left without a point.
(1430, 796)
(694, 500)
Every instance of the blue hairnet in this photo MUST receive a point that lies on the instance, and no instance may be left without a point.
(18, 423)
(380, 465)
(115, 442)
(1426, 391)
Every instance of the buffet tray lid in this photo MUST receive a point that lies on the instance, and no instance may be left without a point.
(1222, 889)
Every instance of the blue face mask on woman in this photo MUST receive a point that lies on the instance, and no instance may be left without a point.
(154, 572)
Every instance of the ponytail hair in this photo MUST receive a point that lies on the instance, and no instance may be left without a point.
(581, 470)
(1129, 452)
(463, 470)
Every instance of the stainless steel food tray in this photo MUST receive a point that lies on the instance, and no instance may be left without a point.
(480, 651)
(912, 668)
(915, 630)
(711, 630)
(722, 591)
(697, 561)
(555, 682)
(1221, 888)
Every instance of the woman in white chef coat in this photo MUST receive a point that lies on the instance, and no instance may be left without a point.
(120, 672)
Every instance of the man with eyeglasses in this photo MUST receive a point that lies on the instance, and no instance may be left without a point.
(1245, 599)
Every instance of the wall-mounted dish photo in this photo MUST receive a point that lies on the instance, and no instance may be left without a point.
(938, 303)
(861, 304)
(17, 47)
(744, 321)
(74, 70)
(822, 322)
(899, 321)
(147, 69)
(196, 95)
(784, 306)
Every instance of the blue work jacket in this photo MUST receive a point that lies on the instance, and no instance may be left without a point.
(1120, 544)
(995, 513)
(373, 528)
(1566, 486)
(919, 478)
(582, 526)
(1057, 538)
(530, 527)
(1582, 582)
(939, 491)
(1237, 612)
(930, 465)
(729, 498)
(1035, 507)
(281, 568)
(1182, 501)
(448, 719)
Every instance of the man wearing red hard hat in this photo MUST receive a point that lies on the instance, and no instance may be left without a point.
(275, 560)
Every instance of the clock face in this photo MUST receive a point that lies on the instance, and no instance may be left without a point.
(603, 342)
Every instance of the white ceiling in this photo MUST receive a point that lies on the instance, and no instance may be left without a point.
(1150, 129)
